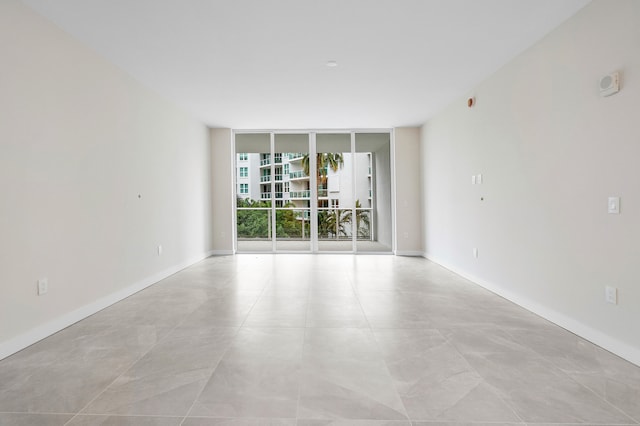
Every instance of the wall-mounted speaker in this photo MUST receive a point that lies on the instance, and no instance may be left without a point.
(610, 84)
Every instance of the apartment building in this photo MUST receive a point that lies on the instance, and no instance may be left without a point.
(291, 183)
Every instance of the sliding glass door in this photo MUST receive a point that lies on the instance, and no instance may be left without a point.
(254, 191)
(293, 196)
(334, 198)
(313, 192)
(373, 212)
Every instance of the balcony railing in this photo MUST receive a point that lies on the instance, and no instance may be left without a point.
(322, 193)
(300, 194)
(267, 195)
(267, 178)
(295, 155)
(265, 162)
(298, 174)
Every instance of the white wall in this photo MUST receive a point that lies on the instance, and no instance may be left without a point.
(79, 141)
(223, 191)
(551, 151)
(408, 191)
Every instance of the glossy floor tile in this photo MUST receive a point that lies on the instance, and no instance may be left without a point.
(24, 419)
(325, 340)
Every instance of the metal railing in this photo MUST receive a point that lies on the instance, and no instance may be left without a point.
(295, 155)
(297, 174)
(300, 194)
(267, 195)
(267, 178)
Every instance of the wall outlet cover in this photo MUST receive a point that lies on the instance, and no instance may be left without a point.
(43, 286)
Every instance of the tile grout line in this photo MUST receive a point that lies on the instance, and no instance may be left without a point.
(199, 394)
(484, 380)
(114, 380)
(304, 338)
(568, 376)
(366, 318)
(128, 368)
(598, 396)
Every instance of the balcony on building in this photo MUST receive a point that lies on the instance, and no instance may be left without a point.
(306, 194)
(295, 156)
(267, 178)
(298, 175)
(267, 195)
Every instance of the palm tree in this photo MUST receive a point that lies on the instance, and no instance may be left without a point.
(363, 221)
(324, 162)
(329, 221)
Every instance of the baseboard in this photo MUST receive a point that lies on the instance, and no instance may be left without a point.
(220, 252)
(36, 334)
(623, 350)
(409, 253)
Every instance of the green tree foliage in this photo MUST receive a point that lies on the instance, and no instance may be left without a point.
(253, 223)
(336, 224)
(256, 223)
(324, 162)
(363, 222)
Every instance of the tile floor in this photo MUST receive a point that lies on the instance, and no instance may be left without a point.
(316, 341)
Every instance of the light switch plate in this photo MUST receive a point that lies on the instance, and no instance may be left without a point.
(614, 205)
(43, 286)
(611, 295)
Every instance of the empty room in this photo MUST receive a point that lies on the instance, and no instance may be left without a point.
(319, 213)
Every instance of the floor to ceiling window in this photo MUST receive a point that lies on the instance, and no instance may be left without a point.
(313, 192)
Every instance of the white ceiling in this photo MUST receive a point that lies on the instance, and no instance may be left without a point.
(261, 64)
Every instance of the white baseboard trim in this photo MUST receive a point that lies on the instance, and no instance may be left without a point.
(623, 350)
(15, 344)
(220, 252)
(409, 253)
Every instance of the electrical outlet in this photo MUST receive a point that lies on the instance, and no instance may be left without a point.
(159, 250)
(475, 252)
(43, 286)
(611, 295)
